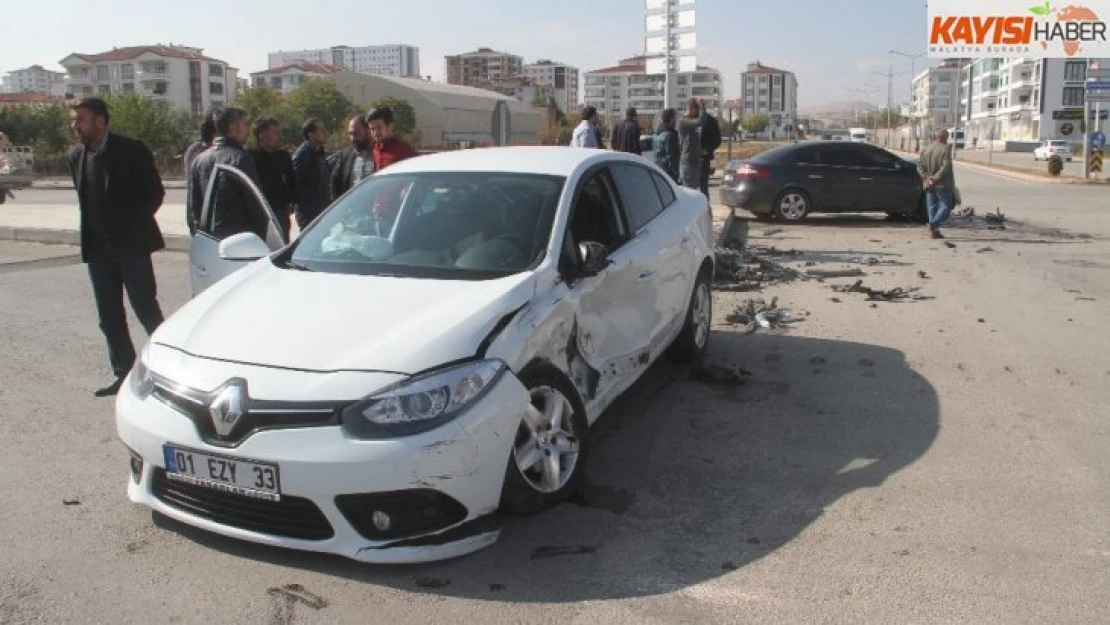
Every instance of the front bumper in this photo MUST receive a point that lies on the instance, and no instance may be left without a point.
(322, 469)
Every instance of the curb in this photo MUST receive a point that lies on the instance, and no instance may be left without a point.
(1002, 172)
(60, 236)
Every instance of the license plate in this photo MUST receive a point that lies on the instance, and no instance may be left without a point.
(728, 177)
(230, 475)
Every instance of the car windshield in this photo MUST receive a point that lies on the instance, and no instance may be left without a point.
(439, 225)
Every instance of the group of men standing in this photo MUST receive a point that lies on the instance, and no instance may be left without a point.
(684, 148)
(119, 191)
(296, 186)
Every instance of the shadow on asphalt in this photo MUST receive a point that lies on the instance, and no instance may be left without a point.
(688, 481)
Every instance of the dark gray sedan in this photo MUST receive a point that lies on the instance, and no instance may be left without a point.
(791, 182)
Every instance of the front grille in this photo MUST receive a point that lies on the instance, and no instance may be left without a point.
(291, 517)
(411, 512)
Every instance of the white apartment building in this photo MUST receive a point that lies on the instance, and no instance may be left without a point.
(35, 79)
(1023, 99)
(771, 92)
(934, 99)
(482, 67)
(286, 78)
(613, 89)
(386, 60)
(182, 77)
(562, 79)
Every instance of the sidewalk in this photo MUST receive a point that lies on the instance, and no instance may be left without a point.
(60, 224)
(971, 160)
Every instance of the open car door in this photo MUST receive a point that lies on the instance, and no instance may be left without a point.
(207, 265)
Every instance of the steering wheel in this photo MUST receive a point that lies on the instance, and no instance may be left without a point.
(516, 239)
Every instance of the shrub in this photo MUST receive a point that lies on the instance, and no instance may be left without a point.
(1055, 165)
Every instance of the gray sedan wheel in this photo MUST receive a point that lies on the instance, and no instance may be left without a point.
(792, 205)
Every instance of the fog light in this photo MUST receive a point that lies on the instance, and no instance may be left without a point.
(136, 466)
(381, 521)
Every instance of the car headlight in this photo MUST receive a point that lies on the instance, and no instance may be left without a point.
(423, 402)
(141, 378)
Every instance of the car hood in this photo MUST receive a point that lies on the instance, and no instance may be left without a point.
(341, 322)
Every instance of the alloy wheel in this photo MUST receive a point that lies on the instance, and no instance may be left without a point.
(792, 206)
(701, 314)
(546, 449)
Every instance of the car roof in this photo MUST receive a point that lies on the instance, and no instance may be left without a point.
(545, 160)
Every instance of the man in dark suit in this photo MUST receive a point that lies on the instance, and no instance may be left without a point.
(355, 161)
(275, 170)
(234, 209)
(119, 191)
(313, 173)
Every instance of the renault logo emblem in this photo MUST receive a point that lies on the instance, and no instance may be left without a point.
(228, 406)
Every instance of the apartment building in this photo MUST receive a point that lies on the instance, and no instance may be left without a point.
(1023, 99)
(771, 92)
(562, 79)
(482, 67)
(385, 60)
(286, 78)
(34, 79)
(611, 90)
(523, 90)
(180, 76)
(934, 98)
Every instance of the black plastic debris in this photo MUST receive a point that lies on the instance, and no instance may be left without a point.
(887, 295)
(758, 313)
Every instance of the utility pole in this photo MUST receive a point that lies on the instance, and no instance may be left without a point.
(890, 74)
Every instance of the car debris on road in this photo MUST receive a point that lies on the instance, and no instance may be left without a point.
(888, 295)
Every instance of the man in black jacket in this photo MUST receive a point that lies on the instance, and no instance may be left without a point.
(626, 137)
(710, 141)
(207, 136)
(313, 174)
(355, 161)
(119, 191)
(275, 170)
(234, 210)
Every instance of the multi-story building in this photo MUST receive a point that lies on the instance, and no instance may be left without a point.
(562, 79)
(482, 67)
(288, 77)
(934, 101)
(523, 90)
(1023, 99)
(387, 60)
(35, 79)
(613, 89)
(771, 92)
(182, 77)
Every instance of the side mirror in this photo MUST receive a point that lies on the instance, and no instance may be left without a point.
(595, 258)
(245, 246)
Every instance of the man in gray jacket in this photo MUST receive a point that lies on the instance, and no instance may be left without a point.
(689, 136)
(935, 168)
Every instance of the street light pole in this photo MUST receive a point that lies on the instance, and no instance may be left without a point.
(889, 97)
(913, 92)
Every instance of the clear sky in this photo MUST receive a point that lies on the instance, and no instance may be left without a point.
(832, 45)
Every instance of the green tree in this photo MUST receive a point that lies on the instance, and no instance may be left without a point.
(259, 101)
(756, 124)
(404, 116)
(165, 130)
(323, 100)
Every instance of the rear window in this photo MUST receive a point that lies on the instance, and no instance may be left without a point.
(787, 154)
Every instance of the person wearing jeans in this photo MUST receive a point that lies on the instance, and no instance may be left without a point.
(935, 168)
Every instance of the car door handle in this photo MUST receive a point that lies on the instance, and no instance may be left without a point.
(815, 177)
(866, 178)
(647, 275)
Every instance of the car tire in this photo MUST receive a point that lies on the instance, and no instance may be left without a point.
(792, 205)
(535, 488)
(692, 340)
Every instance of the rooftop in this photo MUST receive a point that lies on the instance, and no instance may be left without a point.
(131, 52)
(636, 65)
(26, 98)
(484, 51)
(760, 68)
(304, 66)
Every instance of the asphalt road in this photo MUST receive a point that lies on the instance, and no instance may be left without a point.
(935, 460)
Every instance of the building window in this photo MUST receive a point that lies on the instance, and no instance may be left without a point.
(128, 87)
(1075, 71)
(127, 71)
(1073, 96)
(102, 73)
(216, 88)
(104, 90)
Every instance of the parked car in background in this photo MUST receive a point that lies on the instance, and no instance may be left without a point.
(442, 368)
(858, 135)
(795, 181)
(1052, 147)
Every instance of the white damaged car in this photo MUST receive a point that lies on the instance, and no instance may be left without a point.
(433, 349)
